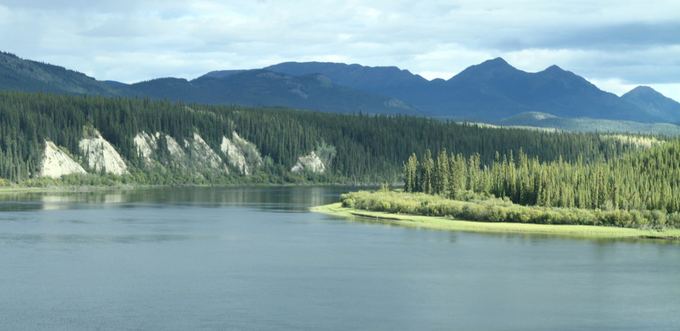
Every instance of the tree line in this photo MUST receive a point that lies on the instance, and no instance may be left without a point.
(369, 148)
(644, 179)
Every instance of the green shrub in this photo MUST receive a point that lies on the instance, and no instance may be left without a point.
(490, 209)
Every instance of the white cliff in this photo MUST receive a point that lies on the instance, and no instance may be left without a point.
(174, 148)
(202, 155)
(146, 145)
(193, 154)
(241, 154)
(57, 163)
(101, 156)
(234, 156)
(309, 163)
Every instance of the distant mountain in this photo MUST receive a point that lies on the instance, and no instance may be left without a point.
(654, 103)
(386, 81)
(543, 120)
(495, 89)
(25, 75)
(381, 80)
(221, 73)
(266, 88)
(489, 91)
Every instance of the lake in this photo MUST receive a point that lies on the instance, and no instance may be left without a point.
(256, 259)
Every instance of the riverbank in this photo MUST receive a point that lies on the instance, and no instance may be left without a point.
(65, 189)
(18, 189)
(448, 224)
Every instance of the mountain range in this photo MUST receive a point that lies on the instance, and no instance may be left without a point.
(490, 91)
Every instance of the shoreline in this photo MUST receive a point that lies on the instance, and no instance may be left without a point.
(127, 187)
(447, 224)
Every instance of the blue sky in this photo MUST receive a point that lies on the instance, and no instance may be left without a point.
(615, 44)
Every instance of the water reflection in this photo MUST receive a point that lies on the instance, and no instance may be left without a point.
(531, 239)
(169, 259)
(292, 199)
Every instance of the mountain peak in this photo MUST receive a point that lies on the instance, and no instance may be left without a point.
(496, 62)
(554, 68)
(643, 90)
(486, 70)
(652, 102)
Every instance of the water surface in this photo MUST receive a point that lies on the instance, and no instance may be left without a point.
(255, 259)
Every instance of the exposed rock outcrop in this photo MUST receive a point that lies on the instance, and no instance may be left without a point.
(56, 163)
(309, 163)
(241, 154)
(234, 156)
(100, 155)
(193, 154)
(146, 145)
(174, 148)
(201, 154)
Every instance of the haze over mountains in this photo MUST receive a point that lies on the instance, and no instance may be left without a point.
(490, 91)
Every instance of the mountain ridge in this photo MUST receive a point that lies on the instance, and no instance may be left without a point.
(33, 76)
(488, 91)
(653, 101)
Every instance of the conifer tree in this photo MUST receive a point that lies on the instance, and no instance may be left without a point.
(410, 173)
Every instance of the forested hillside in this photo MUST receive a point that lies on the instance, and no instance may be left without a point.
(17, 74)
(648, 179)
(159, 142)
(266, 88)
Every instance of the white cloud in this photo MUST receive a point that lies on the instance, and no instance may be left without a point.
(613, 85)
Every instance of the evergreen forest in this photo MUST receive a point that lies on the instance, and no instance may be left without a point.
(368, 148)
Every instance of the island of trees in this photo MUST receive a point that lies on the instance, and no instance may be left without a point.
(639, 189)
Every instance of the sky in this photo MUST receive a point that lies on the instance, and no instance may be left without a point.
(617, 45)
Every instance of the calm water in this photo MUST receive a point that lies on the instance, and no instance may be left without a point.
(255, 259)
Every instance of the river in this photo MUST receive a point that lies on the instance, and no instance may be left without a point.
(256, 259)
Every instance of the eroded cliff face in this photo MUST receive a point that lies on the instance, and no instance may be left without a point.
(234, 156)
(146, 145)
(156, 150)
(57, 163)
(201, 154)
(194, 154)
(177, 154)
(309, 163)
(101, 156)
(241, 154)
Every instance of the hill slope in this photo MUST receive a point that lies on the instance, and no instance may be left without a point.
(654, 103)
(267, 88)
(584, 124)
(30, 76)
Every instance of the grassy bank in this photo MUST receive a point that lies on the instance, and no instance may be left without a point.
(482, 213)
(445, 223)
(483, 207)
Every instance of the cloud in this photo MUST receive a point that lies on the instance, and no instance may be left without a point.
(615, 86)
(127, 40)
(616, 36)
